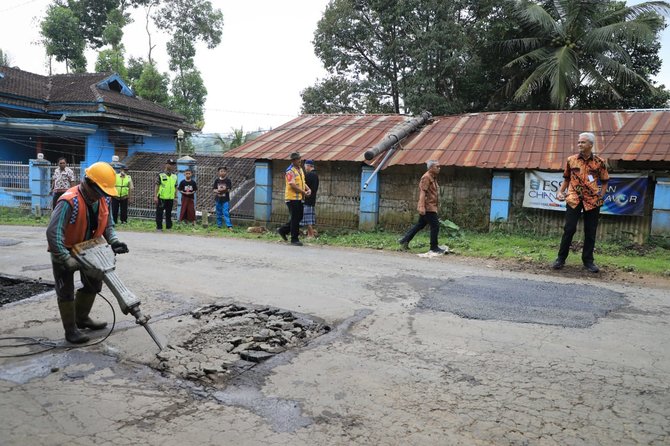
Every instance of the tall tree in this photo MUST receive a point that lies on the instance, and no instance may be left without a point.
(112, 60)
(62, 39)
(189, 21)
(188, 97)
(359, 41)
(575, 43)
(407, 55)
(5, 61)
(153, 85)
(94, 16)
(333, 95)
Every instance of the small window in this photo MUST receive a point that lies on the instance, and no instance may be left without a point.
(115, 86)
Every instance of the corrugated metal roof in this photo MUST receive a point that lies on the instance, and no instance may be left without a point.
(501, 140)
(321, 137)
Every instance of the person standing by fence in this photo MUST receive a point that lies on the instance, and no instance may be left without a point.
(585, 179)
(294, 193)
(164, 195)
(221, 189)
(309, 212)
(62, 180)
(124, 184)
(188, 188)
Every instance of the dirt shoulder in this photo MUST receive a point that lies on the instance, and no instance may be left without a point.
(606, 274)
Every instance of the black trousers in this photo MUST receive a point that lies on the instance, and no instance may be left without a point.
(55, 199)
(122, 205)
(164, 205)
(590, 228)
(429, 218)
(64, 281)
(295, 210)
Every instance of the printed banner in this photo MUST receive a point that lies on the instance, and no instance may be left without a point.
(625, 193)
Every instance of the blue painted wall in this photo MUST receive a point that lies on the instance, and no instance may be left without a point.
(263, 191)
(160, 142)
(369, 207)
(660, 217)
(501, 194)
(16, 147)
(98, 148)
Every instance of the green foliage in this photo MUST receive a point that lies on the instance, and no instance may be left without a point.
(152, 85)
(188, 96)
(188, 21)
(409, 56)
(450, 229)
(566, 44)
(62, 38)
(135, 67)
(336, 94)
(5, 61)
(111, 60)
(193, 18)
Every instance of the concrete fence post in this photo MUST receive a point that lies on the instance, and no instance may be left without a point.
(183, 164)
(660, 217)
(263, 192)
(501, 196)
(369, 206)
(40, 185)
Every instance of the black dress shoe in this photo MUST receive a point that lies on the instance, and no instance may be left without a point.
(558, 264)
(592, 267)
(282, 235)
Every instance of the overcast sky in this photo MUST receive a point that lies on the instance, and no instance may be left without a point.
(254, 77)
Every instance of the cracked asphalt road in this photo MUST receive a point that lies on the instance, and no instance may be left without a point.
(398, 367)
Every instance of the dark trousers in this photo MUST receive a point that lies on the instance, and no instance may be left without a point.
(590, 228)
(295, 210)
(56, 197)
(64, 283)
(122, 205)
(164, 205)
(429, 218)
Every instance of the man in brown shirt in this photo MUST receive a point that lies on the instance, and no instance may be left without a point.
(428, 201)
(582, 173)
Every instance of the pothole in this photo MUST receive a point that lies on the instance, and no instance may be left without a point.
(228, 338)
(14, 289)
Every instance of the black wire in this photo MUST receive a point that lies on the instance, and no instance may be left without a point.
(53, 344)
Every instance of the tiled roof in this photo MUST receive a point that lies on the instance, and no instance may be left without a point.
(78, 92)
(502, 140)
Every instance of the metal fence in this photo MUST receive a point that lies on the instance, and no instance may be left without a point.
(14, 175)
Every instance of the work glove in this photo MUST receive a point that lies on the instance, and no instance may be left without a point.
(71, 264)
(119, 247)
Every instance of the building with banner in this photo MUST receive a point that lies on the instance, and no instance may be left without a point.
(486, 158)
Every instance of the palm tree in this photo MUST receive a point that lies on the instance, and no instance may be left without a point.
(579, 42)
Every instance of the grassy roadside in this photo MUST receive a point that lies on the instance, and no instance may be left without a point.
(646, 259)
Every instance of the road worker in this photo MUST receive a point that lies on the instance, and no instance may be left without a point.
(81, 213)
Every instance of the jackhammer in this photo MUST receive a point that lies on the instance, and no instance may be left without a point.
(97, 256)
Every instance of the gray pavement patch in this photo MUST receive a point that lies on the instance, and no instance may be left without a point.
(41, 267)
(40, 366)
(9, 242)
(519, 300)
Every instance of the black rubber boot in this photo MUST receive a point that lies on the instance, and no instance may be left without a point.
(72, 334)
(83, 304)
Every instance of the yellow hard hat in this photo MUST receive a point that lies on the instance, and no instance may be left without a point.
(104, 176)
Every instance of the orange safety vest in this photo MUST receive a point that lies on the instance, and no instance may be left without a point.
(75, 231)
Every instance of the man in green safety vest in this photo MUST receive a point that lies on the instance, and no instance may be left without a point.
(124, 184)
(164, 195)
